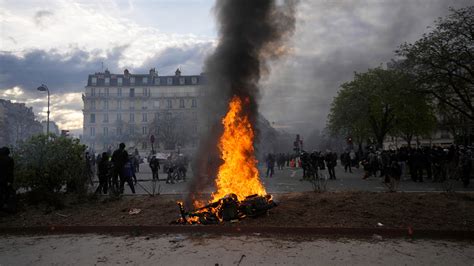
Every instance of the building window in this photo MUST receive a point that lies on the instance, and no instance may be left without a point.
(94, 81)
(92, 131)
(119, 131)
(132, 117)
(119, 117)
(132, 105)
(144, 117)
(145, 92)
(106, 131)
(194, 80)
(131, 130)
(106, 104)
(170, 81)
(107, 81)
(157, 116)
(106, 118)
(132, 80)
(119, 81)
(181, 81)
(169, 103)
(132, 92)
(144, 130)
(119, 92)
(92, 91)
(93, 104)
(107, 92)
(156, 104)
(157, 81)
(145, 80)
(119, 104)
(194, 103)
(181, 103)
(92, 118)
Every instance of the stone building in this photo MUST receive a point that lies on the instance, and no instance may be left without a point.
(17, 123)
(130, 108)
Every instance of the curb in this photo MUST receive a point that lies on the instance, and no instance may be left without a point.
(241, 230)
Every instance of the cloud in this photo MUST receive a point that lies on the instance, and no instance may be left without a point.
(85, 25)
(13, 92)
(66, 75)
(59, 71)
(188, 58)
(42, 18)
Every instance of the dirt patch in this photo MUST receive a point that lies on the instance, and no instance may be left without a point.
(436, 211)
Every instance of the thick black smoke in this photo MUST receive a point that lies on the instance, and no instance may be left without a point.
(250, 33)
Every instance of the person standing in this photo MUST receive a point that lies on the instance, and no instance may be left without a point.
(119, 158)
(466, 166)
(331, 162)
(155, 166)
(7, 192)
(103, 171)
(270, 165)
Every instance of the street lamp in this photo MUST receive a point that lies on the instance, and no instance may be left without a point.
(45, 88)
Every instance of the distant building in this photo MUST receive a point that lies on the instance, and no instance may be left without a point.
(53, 127)
(131, 108)
(17, 123)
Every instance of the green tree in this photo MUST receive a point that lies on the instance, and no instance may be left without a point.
(379, 102)
(46, 166)
(442, 61)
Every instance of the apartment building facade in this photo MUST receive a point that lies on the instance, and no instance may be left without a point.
(136, 108)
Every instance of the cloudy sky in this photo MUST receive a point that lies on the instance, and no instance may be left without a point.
(59, 42)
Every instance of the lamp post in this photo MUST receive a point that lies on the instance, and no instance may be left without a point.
(45, 88)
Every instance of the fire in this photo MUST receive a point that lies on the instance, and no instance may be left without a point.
(238, 174)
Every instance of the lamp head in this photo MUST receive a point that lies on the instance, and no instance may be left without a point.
(43, 88)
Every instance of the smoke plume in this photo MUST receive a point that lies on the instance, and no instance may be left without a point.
(251, 32)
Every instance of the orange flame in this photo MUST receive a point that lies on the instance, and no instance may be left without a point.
(238, 174)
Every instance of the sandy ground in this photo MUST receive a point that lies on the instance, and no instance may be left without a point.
(227, 250)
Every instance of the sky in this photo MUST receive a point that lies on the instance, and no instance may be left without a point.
(59, 42)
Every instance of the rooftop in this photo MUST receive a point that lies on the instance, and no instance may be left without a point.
(105, 79)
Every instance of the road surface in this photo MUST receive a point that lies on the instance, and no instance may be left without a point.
(288, 180)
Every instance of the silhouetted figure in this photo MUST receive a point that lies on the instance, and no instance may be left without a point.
(270, 161)
(154, 166)
(103, 173)
(119, 158)
(7, 193)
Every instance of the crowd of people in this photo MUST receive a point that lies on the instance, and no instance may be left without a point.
(436, 164)
(120, 168)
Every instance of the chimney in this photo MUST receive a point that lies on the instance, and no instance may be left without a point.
(152, 72)
(126, 73)
(178, 72)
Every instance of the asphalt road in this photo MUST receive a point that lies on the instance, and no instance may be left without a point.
(288, 180)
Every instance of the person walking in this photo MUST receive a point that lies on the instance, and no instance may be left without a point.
(129, 175)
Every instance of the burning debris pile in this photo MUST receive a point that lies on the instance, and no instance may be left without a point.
(228, 208)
